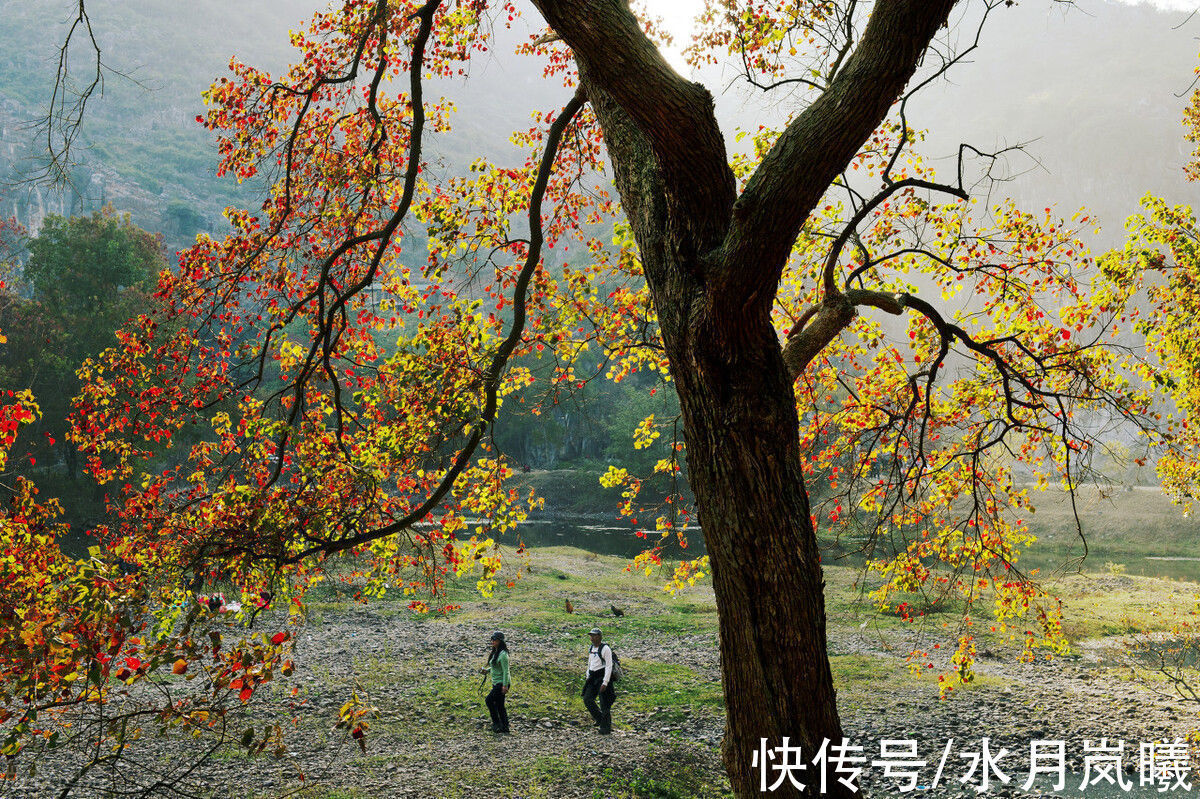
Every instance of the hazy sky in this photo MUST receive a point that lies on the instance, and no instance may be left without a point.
(679, 14)
(1174, 5)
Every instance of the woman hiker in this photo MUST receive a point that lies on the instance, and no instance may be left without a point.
(498, 666)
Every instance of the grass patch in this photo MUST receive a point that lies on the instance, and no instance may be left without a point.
(674, 770)
(1094, 606)
(1137, 523)
(539, 777)
(670, 622)
(1105, 605)
(865, 676)
(570, 591)
(673, 688)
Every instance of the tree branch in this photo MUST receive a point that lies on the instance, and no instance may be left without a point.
(64, 115)
(812, 150)
(675, 115)
(499, 362)
(828, 320)
(851, 227)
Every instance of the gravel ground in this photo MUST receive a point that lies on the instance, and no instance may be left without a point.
(431, 736)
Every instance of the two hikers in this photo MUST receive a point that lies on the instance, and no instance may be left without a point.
(598, 693)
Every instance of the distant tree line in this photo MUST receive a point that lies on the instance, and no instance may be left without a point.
(74, 284)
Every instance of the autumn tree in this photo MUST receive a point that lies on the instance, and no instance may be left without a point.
(1155, 276)
(341, 416)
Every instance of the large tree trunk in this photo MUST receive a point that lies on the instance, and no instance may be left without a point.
(744, 466)
(713, 259)
(742, 436)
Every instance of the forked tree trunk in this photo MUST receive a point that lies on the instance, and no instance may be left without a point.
(713, 258)
(744, 467)
(742, 436)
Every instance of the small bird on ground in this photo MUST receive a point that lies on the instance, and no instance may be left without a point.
(569, 606)
(617, 611)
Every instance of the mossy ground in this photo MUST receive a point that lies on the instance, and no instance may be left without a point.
(668, 647)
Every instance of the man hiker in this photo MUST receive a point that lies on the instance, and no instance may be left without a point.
(599, 682)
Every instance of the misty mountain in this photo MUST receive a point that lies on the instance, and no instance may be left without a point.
(1095, 91)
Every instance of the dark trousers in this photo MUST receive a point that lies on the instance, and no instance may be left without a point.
(495, 706)
(602, 711)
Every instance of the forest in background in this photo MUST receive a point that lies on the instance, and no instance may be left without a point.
(1081, 89)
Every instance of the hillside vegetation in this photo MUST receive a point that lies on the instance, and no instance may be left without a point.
(1080, 87)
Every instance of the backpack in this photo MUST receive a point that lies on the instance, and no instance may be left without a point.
(617, 671)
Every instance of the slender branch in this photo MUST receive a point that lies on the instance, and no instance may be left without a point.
(870, 263)
(835, 252)
(947, 64)
(499, 362)
(63, 123)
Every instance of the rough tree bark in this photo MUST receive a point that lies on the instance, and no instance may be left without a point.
(713, 260)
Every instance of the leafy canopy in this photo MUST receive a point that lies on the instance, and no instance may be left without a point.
(347, 389)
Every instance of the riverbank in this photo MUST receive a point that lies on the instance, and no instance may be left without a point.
(429, 736)
(1135, 527)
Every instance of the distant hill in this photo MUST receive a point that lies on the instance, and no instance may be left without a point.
(1092, 87)
(141, 148)
(1097, 90)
